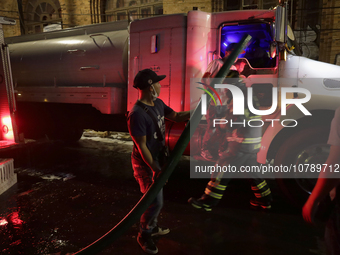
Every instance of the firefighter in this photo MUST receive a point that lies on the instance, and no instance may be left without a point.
(213, 68)
(238, 147)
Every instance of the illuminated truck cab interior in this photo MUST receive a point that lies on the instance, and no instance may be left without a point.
(259, 57)
(257, 54)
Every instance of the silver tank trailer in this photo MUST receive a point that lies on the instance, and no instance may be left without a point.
(66, 77)
(94, 56)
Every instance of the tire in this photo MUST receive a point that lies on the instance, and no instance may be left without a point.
(307, 146)
(65, 131)
(71, 135)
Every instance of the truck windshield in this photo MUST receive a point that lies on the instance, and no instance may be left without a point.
(256, 54)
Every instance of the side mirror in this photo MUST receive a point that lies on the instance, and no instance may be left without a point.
(280, 24)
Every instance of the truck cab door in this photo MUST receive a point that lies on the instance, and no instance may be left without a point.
(155, 55)
(149, 50)
(158, 44)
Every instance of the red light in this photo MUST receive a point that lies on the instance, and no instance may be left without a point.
(7, 121)
(7, 128)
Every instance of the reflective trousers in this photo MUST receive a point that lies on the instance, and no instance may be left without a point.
(217, 185)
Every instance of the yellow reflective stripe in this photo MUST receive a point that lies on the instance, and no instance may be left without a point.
(207, 207)
(263, 194)
(217, 186)
(196, 206)
(266, 193)
(256, 117)
(257, 146)
(252, 140)
(260, 186)
(213, 194)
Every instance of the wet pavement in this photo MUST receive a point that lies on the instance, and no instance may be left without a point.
(68, 196)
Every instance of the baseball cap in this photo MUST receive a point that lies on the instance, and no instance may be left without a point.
(146, 78)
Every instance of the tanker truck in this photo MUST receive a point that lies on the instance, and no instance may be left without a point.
(82, 77)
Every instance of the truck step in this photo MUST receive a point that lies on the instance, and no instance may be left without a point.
(7, 176)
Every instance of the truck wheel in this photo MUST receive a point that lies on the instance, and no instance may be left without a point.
(71, 135)
(304, 147)
(66, 134)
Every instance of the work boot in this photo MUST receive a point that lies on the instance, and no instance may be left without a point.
(147, 244)
(260, 203)
(200, 204)
(159, 231)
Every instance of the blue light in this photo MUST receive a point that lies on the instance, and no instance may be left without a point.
(225, 44)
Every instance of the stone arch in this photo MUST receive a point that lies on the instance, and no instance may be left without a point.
(97, 9)
(40, 13)
(94, 9)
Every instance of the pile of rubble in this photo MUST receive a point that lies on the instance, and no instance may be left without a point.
(107, 134)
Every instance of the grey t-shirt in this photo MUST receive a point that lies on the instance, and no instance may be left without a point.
(141, 124)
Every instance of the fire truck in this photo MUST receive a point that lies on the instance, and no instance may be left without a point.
(82, 77)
